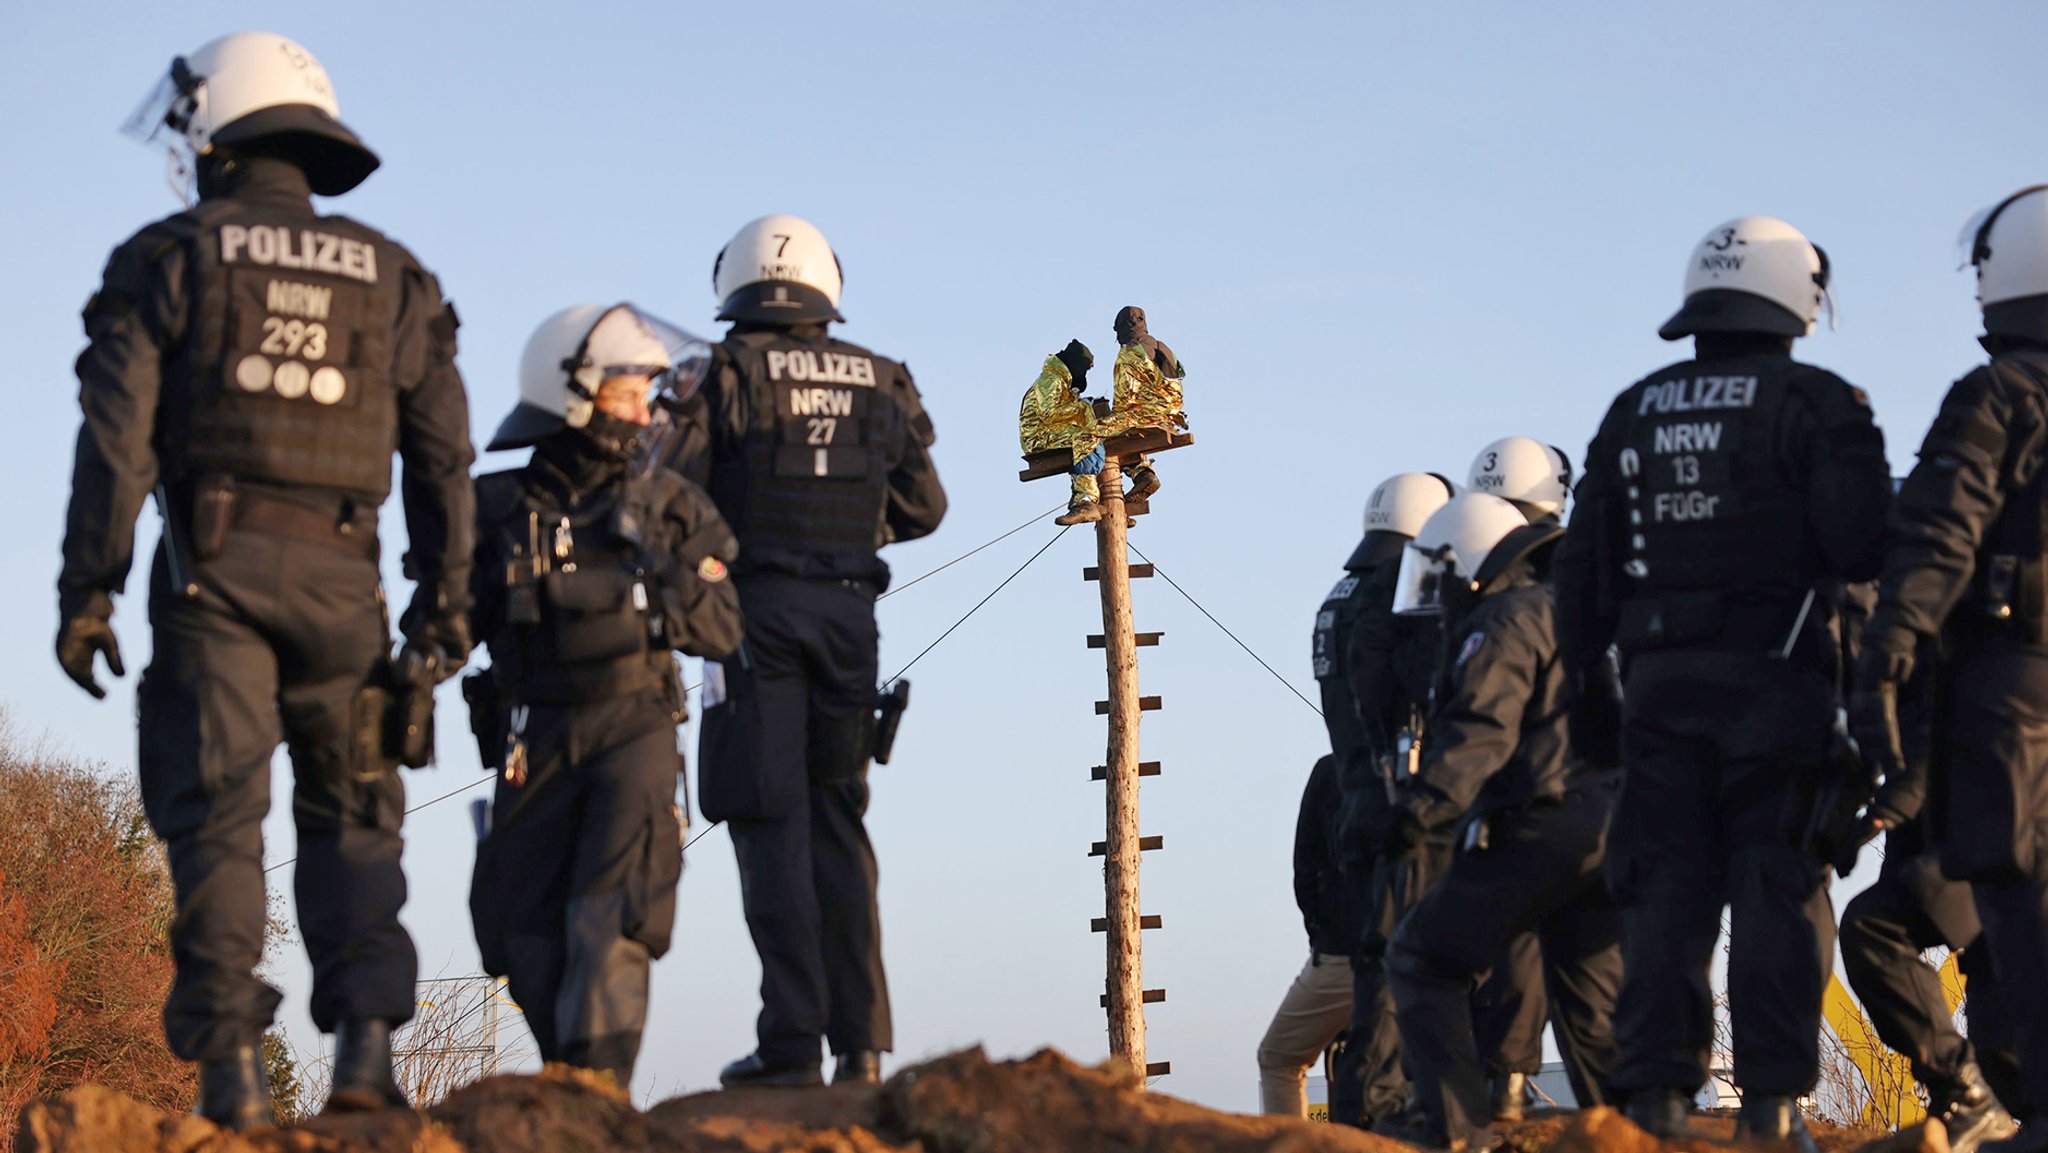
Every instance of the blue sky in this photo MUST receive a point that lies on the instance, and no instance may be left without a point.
(1379, 235)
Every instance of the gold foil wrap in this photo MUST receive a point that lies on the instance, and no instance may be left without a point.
(1053, 417)
(1145, 397)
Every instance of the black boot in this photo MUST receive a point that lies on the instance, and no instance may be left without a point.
(362, 1069)
(1774, 1118)
(1658, 1112)
(1970, 1112)
(863, 1066)
(1510, 1093)
(234, 1091)
(752, 1070)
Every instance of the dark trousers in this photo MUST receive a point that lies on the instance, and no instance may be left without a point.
(1722, 752)
(784, 763)
(575, 887)
(276, 646)
(1541, 872)
(1994, 811)
(1913, 908)
(1368, 1079)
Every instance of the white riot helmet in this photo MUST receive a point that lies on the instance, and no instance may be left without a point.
(1403, 501)
(2008, 244)
(1753, 274)
(777, 270)
(1466, 543)
(571, 354)
(1535, 477)
(255, 85)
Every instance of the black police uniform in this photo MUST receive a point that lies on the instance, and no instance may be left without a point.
(262, 362)
(1966, 562)
(816, 451)
(1912, 908)
(1718, 494)
(1388, 663)
(587, 579)
(1531, 823)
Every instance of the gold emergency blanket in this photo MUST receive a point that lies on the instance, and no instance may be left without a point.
(1145, 396)
(1052, 416)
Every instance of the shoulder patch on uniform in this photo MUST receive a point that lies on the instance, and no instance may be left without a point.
(1472, 644)
(711, 569)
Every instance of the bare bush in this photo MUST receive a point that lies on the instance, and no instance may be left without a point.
(85, 907)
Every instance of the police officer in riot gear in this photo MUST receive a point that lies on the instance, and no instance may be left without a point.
(818, 453)
(1366, 1077)
(1529, 818)
(257, 364)
(589, 575)
(1720, 494)
(1533, 476)
(1537, 479)
(1965, 563)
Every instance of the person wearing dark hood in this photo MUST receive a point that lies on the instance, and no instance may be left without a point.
(1317, 1005)
(256, 364)
(1054, 416)
(1725, 498)
(1966, 564)
(1528, 814)
(818, 453)
(1364, 709)
(590, 575)
(1148, 391)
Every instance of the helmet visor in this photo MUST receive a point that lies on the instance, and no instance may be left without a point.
(150, 122)
(1419, 586)
(627, 341)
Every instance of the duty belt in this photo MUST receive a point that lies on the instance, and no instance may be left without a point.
(338, 530)
(1707, 620)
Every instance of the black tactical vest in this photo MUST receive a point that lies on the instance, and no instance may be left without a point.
(811, 483)
(287, 374)
(1328, 642)
(1706, 506)
(585, 611)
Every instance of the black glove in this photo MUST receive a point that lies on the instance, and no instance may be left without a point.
(1874, 722)
(1868, 825)
(1403, 835)
(446, 639)
(77, 640)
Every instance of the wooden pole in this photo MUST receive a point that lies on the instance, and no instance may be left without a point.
(1120, 872)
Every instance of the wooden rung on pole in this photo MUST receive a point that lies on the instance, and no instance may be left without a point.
(1145, 845)
(1152, 997)
(1145, 769)
(1144, 640)
(1137, 571)
(1101, 924)
(1145, 705)
(1158, 1068)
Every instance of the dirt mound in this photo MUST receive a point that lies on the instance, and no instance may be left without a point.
(961, 1103)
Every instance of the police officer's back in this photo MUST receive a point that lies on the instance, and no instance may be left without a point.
(1967, 562)
(1720, 494)
(816, 451)
(259, 363)
(590, 575)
